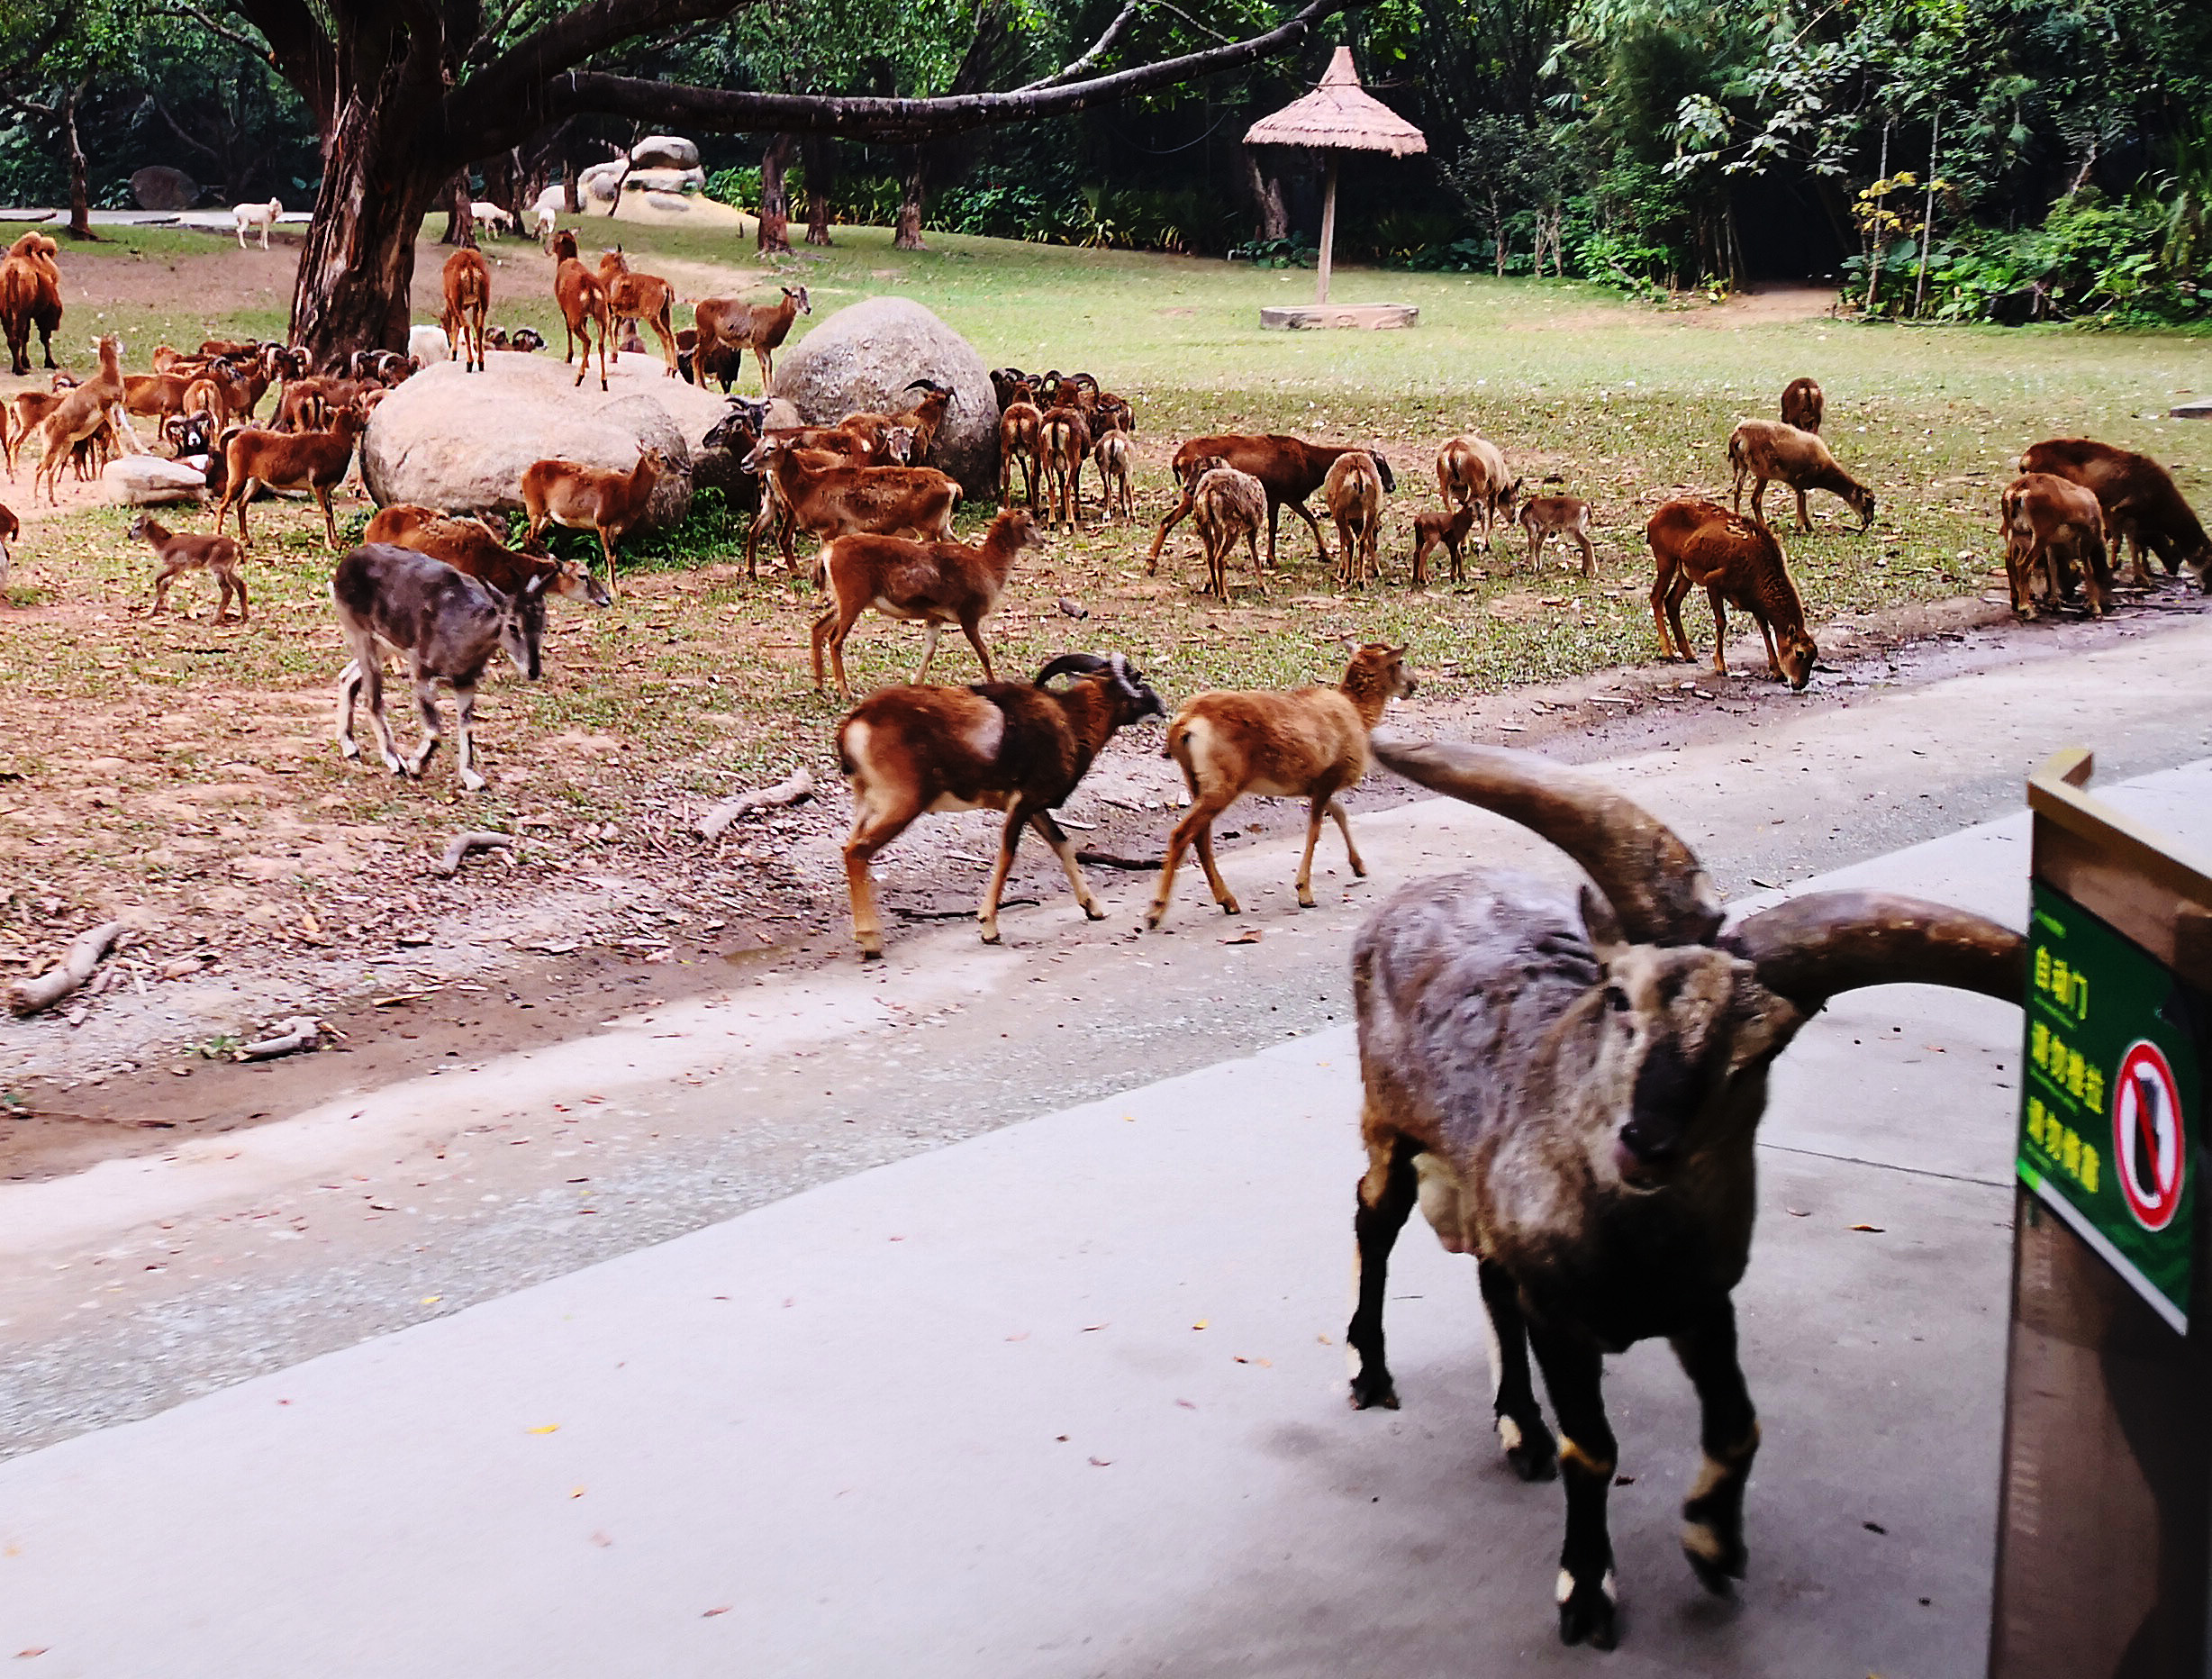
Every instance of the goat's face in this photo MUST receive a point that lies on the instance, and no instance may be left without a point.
(1384, 667)
(798, 299)
(526, 340)
(1675, 1032)
(1136, 693)
(1798, 655)
(1862, 501)
(579, 582)
(898, 444)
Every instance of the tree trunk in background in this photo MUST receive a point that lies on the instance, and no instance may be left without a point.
(815, 157)
(775, 197)
(1264, 189)
(570, 202)
(360, 253)
(460, 220)
(913, 199)
(502, 174)
(80, 197)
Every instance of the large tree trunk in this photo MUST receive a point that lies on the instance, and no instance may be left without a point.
(1264, 187)
(913, 200)
(775, 197)
(80, 196)
(360, 256)
(815, 158)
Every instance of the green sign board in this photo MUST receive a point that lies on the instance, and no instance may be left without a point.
(2109, 1099)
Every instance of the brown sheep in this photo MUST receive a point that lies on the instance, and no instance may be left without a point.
(1702, 544)
(1228, 503)
(468, 294)
(30, 296)
(1306, 743)
(1471, 471)
(1802, 404)
(1450, 527)
(2048, 520)
(1765, 449)
(1353, 492)
(1566, 517)
(2142, 502)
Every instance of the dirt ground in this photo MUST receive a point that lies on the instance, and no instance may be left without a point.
(180, 775)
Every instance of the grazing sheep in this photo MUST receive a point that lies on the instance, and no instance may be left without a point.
(1700, 544)
(1764, 449)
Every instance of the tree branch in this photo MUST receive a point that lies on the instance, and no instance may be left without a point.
(175, 128)
(190, 14)
(487, 125)
(1098, 49)
(557, 46)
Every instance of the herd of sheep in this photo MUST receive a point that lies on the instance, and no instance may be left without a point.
(1567, 1080)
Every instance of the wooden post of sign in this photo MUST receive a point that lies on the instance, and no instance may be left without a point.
(2104, 1543)
(1329, 229)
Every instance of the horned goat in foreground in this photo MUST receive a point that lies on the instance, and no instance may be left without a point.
(1016, 747)
(1702, 545)
(447, 626)
(1570, 1085)
(1765, 449)
(1304, 743)
(931, 584)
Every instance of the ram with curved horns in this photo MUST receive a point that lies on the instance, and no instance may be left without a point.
(1017, 746)
(1570, 1086)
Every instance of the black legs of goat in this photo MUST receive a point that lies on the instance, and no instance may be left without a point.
(1713, 1513)
(1573, 1375)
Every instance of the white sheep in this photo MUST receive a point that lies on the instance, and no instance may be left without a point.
(262, 216)
(494, 217)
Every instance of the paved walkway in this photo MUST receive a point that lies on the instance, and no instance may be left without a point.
(1068, 1398)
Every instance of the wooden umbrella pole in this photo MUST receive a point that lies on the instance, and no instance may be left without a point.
(1329, 227)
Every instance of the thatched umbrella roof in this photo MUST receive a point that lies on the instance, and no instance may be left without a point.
(1339, 115)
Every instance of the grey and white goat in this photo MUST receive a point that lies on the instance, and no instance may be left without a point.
(1571, 1088)
(448, 625)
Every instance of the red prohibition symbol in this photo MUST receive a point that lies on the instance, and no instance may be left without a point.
(2147, 1144)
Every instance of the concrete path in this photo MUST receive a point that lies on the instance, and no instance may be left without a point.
(1068, 1398)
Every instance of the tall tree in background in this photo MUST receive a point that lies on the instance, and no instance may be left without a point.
(405, 92)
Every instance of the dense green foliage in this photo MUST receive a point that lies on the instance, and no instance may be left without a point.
(1963, 160)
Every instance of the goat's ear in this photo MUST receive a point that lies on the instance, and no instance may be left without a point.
(534, 586)
(1762, 1031)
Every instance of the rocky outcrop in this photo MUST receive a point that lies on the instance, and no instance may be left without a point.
(864, 357)
(665, 151)
(148, 481)
(460, 440)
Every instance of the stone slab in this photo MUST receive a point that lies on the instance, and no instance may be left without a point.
(1372, 317)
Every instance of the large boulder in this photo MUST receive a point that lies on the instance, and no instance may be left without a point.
(665, 151)
(158, 186)
(149, 480)
(599, 183)
(863, 358)
(459, 440)
(665, 181)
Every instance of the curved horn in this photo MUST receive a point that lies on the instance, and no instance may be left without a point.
(1811, 948)
(1657, 889)
(1070, 664)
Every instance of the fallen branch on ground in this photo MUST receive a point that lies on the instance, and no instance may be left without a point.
(49, 988)
(302, 1032)
(798, 789)
(1107, 859)
(461, 845)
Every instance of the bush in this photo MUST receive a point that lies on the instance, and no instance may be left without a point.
(2091, 259)
(739, 187)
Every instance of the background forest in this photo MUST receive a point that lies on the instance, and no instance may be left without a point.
(1966, 159)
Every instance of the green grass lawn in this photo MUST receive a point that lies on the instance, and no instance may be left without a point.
(699, 679)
